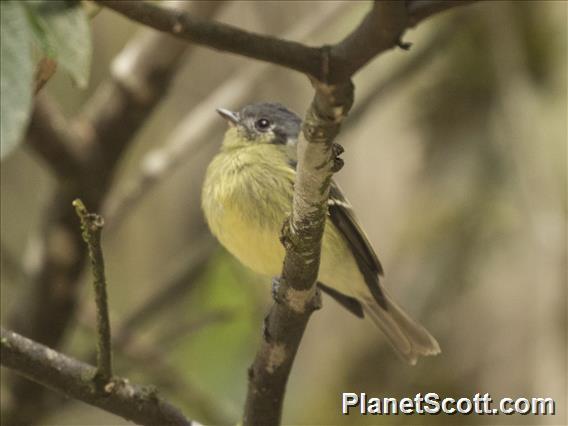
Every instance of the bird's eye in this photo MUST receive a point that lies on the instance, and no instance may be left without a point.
(262, 124)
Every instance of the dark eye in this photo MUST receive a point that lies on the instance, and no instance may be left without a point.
(262, 124)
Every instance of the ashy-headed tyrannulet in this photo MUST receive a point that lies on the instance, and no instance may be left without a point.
(246, 197)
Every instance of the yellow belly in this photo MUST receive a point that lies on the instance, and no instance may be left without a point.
(257, 247)
(246, 201)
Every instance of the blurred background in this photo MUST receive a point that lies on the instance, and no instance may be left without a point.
(455, 162)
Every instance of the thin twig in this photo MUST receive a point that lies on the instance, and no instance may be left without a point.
(68, 376)
(91, 227)
(182, 278)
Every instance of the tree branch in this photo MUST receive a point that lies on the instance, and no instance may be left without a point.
(418, 10)
(91, 227)
(72, 378)
(296, 295)
(380, 30)
(220, 36)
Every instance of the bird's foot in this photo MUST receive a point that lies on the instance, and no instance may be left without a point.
(285, 234)
(337, 150)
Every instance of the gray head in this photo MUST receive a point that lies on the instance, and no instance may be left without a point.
(265, 122)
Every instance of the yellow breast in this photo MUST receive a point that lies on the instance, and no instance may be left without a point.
(247, 195)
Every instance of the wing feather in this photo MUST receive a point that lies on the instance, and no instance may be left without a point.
(343, 217)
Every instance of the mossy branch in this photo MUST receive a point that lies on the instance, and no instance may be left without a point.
(91, 228)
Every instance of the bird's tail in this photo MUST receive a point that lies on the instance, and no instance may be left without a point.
(408, 338)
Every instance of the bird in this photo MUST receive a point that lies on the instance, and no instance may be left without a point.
(247, 196)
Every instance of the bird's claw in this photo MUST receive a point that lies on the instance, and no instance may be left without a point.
(337, 150)
(285, 233)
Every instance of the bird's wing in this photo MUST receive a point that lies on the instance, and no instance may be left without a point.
(343, 217)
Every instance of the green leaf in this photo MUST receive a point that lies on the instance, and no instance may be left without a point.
(16, 74)
(62, 28)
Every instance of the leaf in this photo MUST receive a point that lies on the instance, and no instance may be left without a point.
(16, 74)
(62, 29)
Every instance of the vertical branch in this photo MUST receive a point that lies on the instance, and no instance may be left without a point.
(295, 293)
(91, 227)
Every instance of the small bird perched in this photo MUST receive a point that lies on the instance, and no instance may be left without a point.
(247, 196)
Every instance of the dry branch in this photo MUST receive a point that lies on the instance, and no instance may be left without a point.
(73, 378)
(380, 30)
(181, 279)
(219, 36)
(296, 292)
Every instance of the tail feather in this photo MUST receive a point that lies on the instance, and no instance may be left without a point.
(409, 339)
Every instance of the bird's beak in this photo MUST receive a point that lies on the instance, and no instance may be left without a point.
(231, 117)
